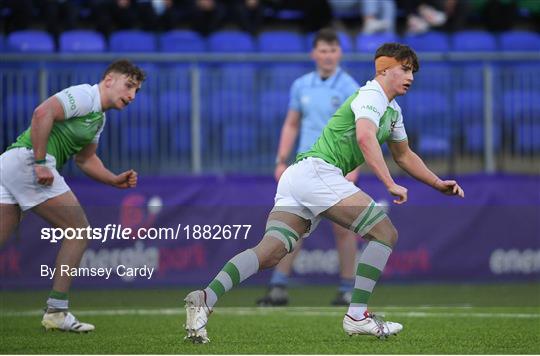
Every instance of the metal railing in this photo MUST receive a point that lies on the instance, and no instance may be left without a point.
(210, 113)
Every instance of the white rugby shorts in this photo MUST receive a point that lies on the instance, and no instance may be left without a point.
(18, 184)
(310, 187)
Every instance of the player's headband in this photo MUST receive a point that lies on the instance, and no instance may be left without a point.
(382, 63)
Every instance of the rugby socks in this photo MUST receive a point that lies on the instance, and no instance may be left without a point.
(58, 301)
(239, 268)
(370, 266)
(279, 279)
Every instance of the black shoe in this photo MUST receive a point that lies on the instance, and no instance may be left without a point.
(342, 298)
(276, 296)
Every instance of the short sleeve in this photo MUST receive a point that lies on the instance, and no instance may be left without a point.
(369, 104)
(398, 132)
(76, 101)
(294, 97)
(98, 133)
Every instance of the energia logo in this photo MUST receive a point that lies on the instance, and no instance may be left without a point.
(515, 261)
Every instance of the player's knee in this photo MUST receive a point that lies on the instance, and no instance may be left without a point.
(384, 232)
(272, 257)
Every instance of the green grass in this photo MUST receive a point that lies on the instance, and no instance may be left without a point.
(449, 319)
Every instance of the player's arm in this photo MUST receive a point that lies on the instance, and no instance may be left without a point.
(366, 136)
(411, 163)
(43, 119)
(289, 133)
(89, 162)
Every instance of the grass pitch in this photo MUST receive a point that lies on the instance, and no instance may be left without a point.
(449, 319)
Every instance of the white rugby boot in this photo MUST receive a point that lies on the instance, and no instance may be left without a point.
(65, 321)
(197, 313)
(370, 325)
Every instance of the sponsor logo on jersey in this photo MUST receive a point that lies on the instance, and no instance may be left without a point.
(371, 108)
(71, 100)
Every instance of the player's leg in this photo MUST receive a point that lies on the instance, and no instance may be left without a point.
(277, 294)
(346, 246)
(64, 211)
(360, 213)
(283, 230)
(10, 215)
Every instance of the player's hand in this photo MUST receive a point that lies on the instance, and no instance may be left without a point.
(399, 192)
(127, 179)
(44, 175)
(449, 187)
(280, 168)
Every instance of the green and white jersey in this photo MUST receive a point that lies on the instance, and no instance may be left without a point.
(337, 144)
(83, 124)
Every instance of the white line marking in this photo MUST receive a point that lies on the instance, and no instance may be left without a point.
(293, 311)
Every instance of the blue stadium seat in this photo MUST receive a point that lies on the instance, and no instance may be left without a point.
(230, 107)
(344, 39)
(281, 76)
(139, 138)
(274, 106)
(132, 41)
(433, 76)
(469, 105)
(526, 137)
(82, 41)
(2, 43)
(175, 106)
(231, 41)
(281, 42)
(239, 139)
(30, 41)
(428, 42)
(521, 106)
(17, 109)
(520, 41)
(182, 41)
(370, 43)
(474, 136)
(473, 41)
(427, 116)
(175, 116)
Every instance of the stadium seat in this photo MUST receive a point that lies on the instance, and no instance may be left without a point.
(239, 139)
(30, 41)
(520, 41)
(2, 43)
(526, 138)
(82, 41)
(433, 76)
(521, 106)
(428, 42)
(139, 139)
(344, 40)
(231, 41)
(274, 106)
(474, 136)
(181, 41)
(468, 105)
(370, 43)
(427, 117)
(473, 41)
(175, 106)
(281, 76)
(281, 42)
(230, 107)
(132, 41)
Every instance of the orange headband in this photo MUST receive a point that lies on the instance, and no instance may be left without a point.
(382, 63)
